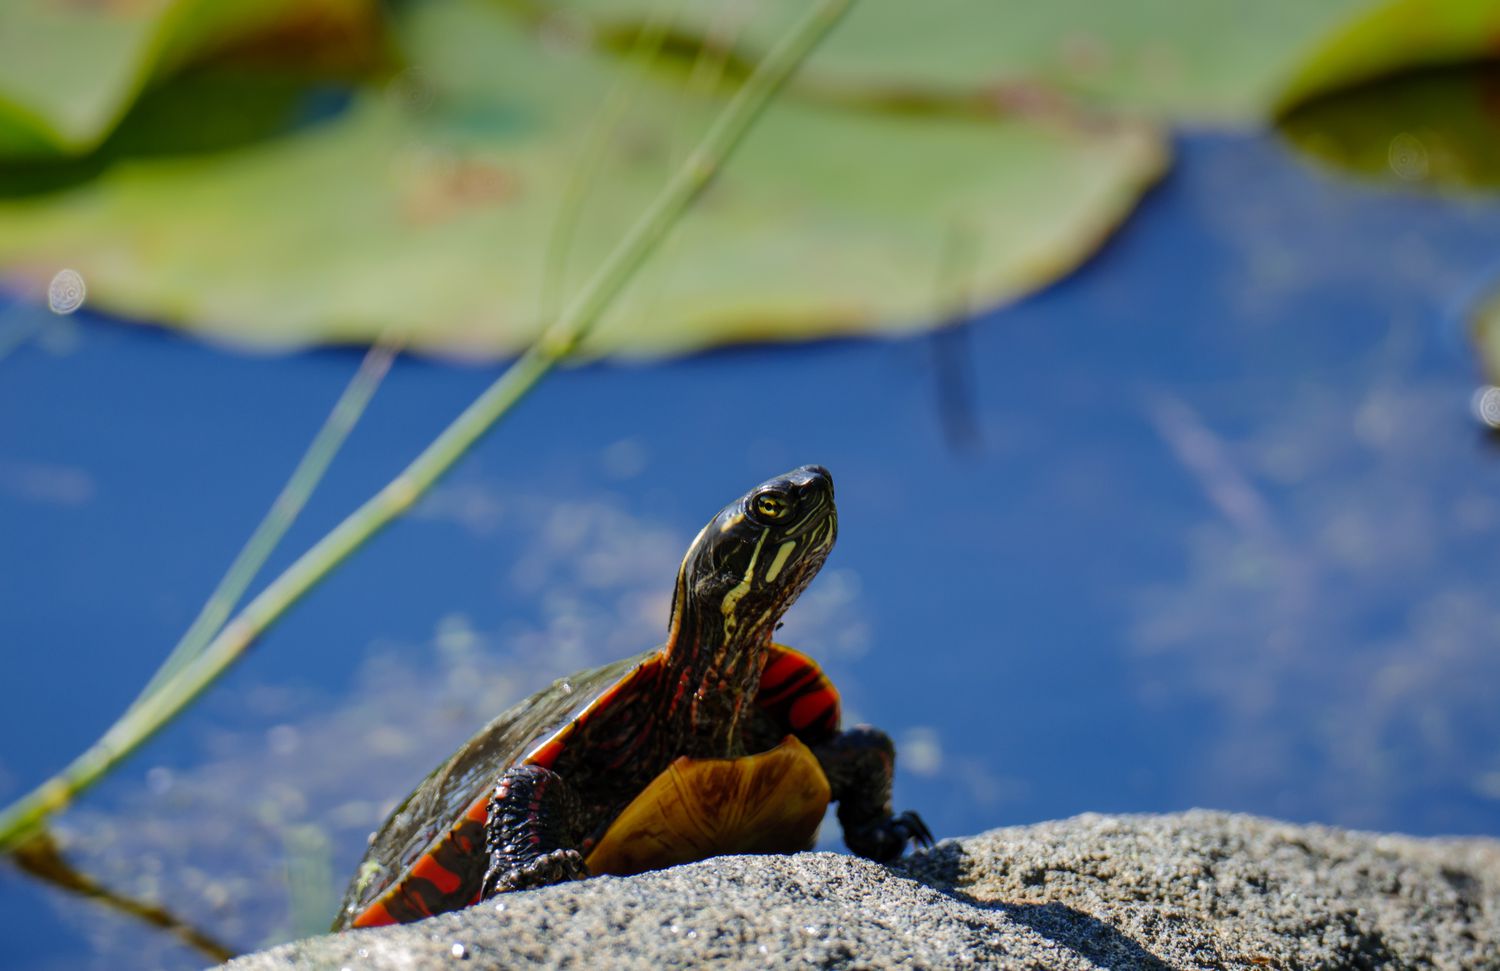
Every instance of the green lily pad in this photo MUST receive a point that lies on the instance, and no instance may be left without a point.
(199, 112)
(70, 70)
(1004, 131)
(1438, 129)
(429, 218)
(1397, 35)
(1196, 61)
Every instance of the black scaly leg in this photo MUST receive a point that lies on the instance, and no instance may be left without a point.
(859, 764)
(529, 832)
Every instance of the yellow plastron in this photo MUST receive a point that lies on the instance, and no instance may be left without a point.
(766, 803)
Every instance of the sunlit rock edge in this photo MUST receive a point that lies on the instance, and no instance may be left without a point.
(1192, 890)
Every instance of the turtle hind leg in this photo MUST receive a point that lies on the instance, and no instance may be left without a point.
(859, 764)
(533, 814)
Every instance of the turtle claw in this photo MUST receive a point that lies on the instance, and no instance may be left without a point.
(885, 839)
(917, 830)
(559, 866)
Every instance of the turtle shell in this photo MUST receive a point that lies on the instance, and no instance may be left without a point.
(441, 800)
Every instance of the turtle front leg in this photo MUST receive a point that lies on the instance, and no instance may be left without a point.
(528, 835)
(859, 764)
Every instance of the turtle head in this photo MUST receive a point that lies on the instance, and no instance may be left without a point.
(755, 557)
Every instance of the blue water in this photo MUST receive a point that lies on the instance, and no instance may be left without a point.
(1208, 523)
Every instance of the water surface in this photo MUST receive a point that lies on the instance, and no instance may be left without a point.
(1207, 524)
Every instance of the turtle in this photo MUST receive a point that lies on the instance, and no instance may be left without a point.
(720, 740)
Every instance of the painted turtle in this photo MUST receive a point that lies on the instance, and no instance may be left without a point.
(719, 741)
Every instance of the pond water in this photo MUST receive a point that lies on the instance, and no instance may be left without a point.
(1207, 524)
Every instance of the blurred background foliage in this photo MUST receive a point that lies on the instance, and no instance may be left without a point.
(282, 174)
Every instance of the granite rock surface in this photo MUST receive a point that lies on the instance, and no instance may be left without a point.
(1190, 890)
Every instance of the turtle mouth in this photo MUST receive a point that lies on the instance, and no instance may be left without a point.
(820, 513)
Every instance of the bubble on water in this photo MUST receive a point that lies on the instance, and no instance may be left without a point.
(66, 292)
(1486, 405)
(1407, 157)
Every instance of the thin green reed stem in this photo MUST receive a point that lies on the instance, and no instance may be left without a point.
(555, 343)
(279, 518)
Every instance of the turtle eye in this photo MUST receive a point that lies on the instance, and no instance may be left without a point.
(771, 506)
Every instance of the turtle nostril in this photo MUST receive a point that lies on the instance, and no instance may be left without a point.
(819, 472)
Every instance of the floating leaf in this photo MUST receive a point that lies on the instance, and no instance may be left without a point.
(70, 70)
(430, 218)
(1438, 129)
(1196, 61)
(201, 111)
(1394, 35)
(432, 214)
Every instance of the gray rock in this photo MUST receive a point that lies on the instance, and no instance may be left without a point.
(1193, 890)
